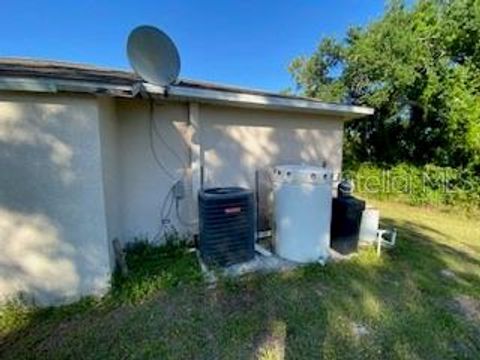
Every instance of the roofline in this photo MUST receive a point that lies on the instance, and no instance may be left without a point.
(46, 85)
(261, 101)
(232, 97)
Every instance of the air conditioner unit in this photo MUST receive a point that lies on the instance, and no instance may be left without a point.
(226, 225)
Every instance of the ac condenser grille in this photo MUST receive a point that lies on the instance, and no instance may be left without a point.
(226, 225)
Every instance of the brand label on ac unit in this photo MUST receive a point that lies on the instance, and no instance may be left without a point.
(233, 210)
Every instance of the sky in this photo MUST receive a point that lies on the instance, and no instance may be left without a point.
(239, 42)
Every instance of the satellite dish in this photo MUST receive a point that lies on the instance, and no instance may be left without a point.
(153, 55)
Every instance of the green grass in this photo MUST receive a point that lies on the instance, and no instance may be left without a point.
(405, 307)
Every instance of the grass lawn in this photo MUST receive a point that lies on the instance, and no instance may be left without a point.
(420, 300)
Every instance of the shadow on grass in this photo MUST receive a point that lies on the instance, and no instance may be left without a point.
(398, 306)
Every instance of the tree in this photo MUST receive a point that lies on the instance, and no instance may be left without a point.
(419, 67)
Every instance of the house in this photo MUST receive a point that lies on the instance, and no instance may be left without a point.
(88, 155)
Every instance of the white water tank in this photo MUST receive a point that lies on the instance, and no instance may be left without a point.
(369, 225)
(302, 212)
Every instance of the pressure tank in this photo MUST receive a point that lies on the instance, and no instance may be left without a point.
(346, 216)
(302, 212)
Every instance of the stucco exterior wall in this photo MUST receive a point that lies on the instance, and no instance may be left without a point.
(144, 184)
(108, 127)
(79, 171)
(236, 142)
(52, 219)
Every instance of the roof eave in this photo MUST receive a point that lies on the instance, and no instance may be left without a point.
(345, 112)
(183, 93)
(46, 85)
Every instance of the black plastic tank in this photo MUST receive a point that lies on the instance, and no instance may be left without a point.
(346, 218)
(226, 225)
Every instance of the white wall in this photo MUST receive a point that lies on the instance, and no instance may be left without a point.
(143, 183)
(109, 136)
(238, 141)
(52, 218)
(78, 171)
(234, 141)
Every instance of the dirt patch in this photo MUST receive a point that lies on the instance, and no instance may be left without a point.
(468, 307)
(321, 290)
(359, 330)
(66, 329)
(448, 274)
(271, 345)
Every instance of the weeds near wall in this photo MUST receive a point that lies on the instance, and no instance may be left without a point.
(155, 267)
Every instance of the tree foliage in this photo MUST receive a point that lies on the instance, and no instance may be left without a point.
(419, 67)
